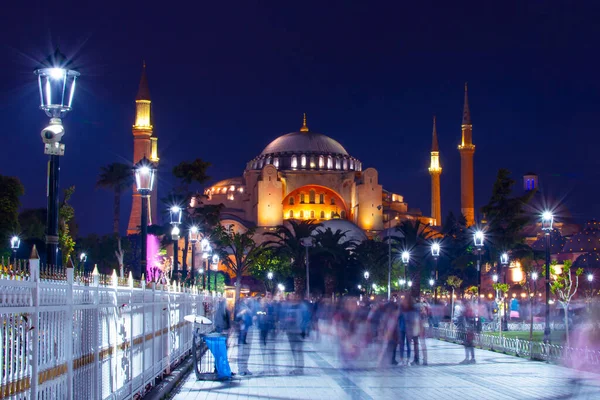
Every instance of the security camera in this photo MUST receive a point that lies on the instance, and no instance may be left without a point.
(52, 133)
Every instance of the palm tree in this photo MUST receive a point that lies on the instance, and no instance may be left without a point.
(287, 240)
(334, 251)
(238, 252)
(371, 255)
(417, 237)
(115, 177)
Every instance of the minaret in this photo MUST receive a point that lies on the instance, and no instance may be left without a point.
(467, 149)
(144, 144)
(435, 170)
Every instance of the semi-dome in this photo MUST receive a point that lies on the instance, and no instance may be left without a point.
(305, 150)
(352, 231)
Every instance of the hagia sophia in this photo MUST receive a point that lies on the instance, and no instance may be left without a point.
(306, 175)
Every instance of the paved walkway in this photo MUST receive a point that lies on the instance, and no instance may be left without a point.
(326, 376)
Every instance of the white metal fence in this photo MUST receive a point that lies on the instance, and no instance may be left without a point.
(69, 336)
(569, 356)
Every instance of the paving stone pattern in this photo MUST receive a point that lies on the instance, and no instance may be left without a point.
(326, 376)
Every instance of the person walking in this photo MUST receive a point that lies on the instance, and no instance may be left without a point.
(413, 329)
(403, 338)
(266, 326)
(243, 317)
(469, 328)
(296, 321)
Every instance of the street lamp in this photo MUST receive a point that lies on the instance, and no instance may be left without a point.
(281, 288)
(431, 282)
(194, 235)
(307, 242)
(590, 278)
(215, 266)
(144, 172)
(547, 221)
(15, 242)
(366, 275)
(504, 260)
(175, 213)
(435, 253)
(405, 256)
(478, 239)
(56, 83)
(206, 251)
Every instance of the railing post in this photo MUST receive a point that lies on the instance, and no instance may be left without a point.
(34, 273)
(143, 286)
(153, 352)
(96, 334)
(69, 331)
(131, 376)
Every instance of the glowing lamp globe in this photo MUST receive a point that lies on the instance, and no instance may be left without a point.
(175, 233)
(590, 277)
(504, 258)
(205, 245)
(215, 259)
(144, 172)
(495, 278)
(431, 282)
(15, 242)
(56, 83)
(194, 233)
(175, 212)
(402, 282)
(281, 287)
(409, 283)
(547, 221)
(366, 275)
(435, 249)
(270, 275)
(405, 257)
(83, 257)
(534, 276)
(478, 238)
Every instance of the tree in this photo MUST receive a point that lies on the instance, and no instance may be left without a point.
(66, 222)
(287, 241)
(503, 289)
(11, 190)
(417, 237)
(33, 223)
(372, 256)
(454, 282)
(116, 177)
(564, 288)
(268, 260)
(333, 251)
(238, 253)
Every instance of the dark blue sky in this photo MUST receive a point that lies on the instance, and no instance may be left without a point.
(228, 77)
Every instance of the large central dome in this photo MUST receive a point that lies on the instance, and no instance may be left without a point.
(305, 142)
(305, 150)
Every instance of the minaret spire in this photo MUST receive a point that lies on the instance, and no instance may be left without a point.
(466, 112)
(304, 127)
(143, 90)
(434, 140)
(435, 170)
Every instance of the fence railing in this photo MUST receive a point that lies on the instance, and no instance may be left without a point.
(494, 326)
(89, 336)
(568, 356)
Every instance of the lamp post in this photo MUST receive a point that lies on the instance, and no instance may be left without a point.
(478, 239)
(504, 260)
(15, 242)
(83, 259)
(206, 250)
(389, 240)
(144, 172)
(307, 242)
(194, 234)
(270, 278)
(366, 276)
(405, 260)
(435, 252)
(175, 213)
(590, 278)
(56, 83)
(547, 220)
(215, 265)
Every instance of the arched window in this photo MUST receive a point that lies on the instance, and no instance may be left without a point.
(345, 164)
(301, 214)
(312, 215)
(333, 201)
(311, 196)
(268, 160)
(291, 213)
(338, 164)
(332, 214)
(321, 198)
(294, 162)
(312, 162)
(351, 164)
(321, 162)
(291, 200)
(302, 198)
(329, 162)
(322, 214)
(276, 162)
(343, 214)
(303, 161)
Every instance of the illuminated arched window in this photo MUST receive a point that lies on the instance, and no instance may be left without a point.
(303, 161)
(294, 162)
(322, 214)
(329, 162)
(276, 162)
(301, 214)
(345, 164)
(312, 162)
(351, 164)
(332, 214)
(291, 200)
(268, 160)
(302, 198)
(291, 213)
(321, 198)
(312, 215)
(261, 163)
(333, 201)
(343, 214)
(338, 164)
(311, 196)
(321, 162)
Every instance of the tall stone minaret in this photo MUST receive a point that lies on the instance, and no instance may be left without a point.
(144, 144)
(435, 170)
(467, 149)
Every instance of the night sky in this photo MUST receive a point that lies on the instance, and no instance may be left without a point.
(226, 78)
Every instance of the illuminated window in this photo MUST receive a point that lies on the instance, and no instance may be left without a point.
(345, 164)
(332, 201)
(321, 162)
(303, 160)
(351, 164)
(311, 196)
(332, 214)
(322, 214)
(322, 198)
(312, 215)
(338, 164)
(301, 214)
(294, 162)
(261, 163)
(276, 162)
(329, 162)
(269, 160)
(291, 213)
(302, 198)
(312, 162)
(291, 201)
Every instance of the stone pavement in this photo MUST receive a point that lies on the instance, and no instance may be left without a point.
(326, 376)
